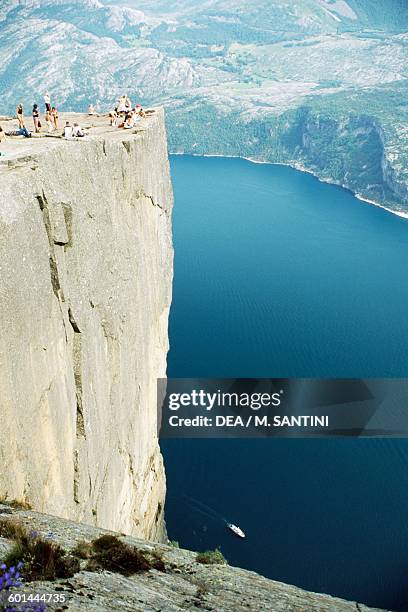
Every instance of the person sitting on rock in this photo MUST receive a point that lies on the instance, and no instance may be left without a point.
(20, 132)
(112, 117)
(140, 110)
(77, 131)
(129, 121)
(20, 115)
(67, 131)
(91, 109)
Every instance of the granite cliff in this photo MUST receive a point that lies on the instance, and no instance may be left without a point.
(86, 264)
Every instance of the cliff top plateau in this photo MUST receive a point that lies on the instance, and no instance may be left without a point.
(18, 148)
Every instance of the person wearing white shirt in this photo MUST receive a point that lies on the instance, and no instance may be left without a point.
(47, 102)
(67, 130)
(77, 131)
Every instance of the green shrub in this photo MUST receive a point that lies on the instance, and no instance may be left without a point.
(16, 503)
(83, 550)
(211, 557)
(11, 529)
(43, 559)
(109, 553)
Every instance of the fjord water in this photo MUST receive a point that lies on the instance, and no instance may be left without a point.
(279, 275)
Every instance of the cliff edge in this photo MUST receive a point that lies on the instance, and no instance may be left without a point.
(86, 265)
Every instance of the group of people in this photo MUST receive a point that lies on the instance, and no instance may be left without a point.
(123, 115)
(50, 117)
(73, 131)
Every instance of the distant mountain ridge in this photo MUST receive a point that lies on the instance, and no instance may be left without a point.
(389, 15)
(88, 49)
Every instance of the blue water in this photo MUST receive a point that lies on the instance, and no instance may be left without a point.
(278, 275)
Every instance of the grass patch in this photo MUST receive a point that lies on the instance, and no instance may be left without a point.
(43, 559)
(83, 550)
(16, 503)
(108, 552)
(11, 529)
(20, 505)
(211, 557)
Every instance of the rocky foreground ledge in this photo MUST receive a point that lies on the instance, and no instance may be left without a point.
(175, 581)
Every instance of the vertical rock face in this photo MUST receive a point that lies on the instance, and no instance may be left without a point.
(86, 266)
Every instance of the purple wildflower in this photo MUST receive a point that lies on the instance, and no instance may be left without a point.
(11, 577)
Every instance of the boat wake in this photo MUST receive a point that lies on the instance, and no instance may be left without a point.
(200, 507)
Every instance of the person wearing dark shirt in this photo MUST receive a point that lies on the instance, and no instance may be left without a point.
(20, 115)
(36, 119)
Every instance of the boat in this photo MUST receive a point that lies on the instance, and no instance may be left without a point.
(237, 530)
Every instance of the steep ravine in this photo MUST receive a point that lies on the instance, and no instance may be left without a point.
(86, 264)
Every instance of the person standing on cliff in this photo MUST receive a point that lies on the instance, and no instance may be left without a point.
(49, 121)
(54, 117)
(20, 116)
(47, 102)
(36, 119)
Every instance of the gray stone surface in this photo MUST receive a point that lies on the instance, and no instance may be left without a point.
(86, 265)
(184, 585)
